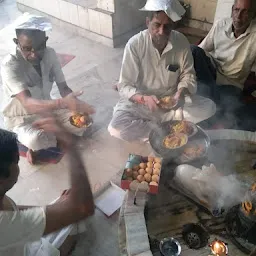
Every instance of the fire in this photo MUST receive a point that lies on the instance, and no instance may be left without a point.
(219, 248)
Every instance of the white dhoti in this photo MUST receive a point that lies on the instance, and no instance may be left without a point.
(50, 244)
(135, 122)
(36, 139)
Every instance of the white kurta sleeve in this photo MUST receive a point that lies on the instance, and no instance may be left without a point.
(13, 77)
(187, 71)
(208, 43)
(19, 228)
(129, 71)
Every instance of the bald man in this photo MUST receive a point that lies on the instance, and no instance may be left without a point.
(224, 60)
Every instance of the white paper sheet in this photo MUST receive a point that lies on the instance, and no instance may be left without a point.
(110, 200)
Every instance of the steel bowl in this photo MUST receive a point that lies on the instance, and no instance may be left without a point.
(168, 107)
(170, 247)
(156, 138)
(192, 125)
(177, 156)
(89, 122)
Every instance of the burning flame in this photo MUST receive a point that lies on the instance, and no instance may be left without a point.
(219, 248)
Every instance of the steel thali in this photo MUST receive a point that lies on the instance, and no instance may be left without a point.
(178, 156)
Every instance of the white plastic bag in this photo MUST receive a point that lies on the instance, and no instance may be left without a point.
(209, 188)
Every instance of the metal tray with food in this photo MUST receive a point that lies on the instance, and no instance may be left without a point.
(200, 139)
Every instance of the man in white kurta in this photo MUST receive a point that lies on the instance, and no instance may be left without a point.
(224, 60)
(157, 62)
(28, 74)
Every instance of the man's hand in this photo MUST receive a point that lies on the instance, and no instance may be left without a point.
(72, 103)
(179, 95)
(50, 124)
(149, 101)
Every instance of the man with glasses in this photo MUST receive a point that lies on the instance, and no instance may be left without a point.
(224, 60)
(28, 75)
(157, 62)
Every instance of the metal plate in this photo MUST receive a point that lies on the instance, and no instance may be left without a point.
(157, 135)
(170, 247)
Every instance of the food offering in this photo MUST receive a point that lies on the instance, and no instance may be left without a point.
(144, 170)
(167, 103)
(179, 141)
(174, 141)
(180, 132)
(184, 127)
(194, 150)
(80, 120)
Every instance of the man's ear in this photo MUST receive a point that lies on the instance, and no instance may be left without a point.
(46, 39)
(15, 40)
(147, 21)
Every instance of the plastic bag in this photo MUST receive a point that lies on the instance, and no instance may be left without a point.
(209, 188)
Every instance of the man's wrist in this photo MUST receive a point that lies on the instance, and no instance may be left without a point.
(60, 104)
(138, 98)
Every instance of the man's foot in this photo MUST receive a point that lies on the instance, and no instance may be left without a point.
(31, 156)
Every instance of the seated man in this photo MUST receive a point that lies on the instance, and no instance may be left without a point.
(225, 58)
(157, 62)
(48, 230)
(28, 75)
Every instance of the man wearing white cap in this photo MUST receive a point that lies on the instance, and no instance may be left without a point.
(157, 62)
(28, 74)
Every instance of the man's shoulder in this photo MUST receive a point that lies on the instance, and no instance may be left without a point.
(138, 38)
(10, 60)
(178, 38)
(50, 52)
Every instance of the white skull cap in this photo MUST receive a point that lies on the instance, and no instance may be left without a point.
(29, 21)
(172, 8)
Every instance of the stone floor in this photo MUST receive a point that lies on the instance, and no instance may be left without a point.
(94, 69)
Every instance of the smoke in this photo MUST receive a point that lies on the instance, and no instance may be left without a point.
(209, 186)
(230, 190)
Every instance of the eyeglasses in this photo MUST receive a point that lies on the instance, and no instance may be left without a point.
(29, 49)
